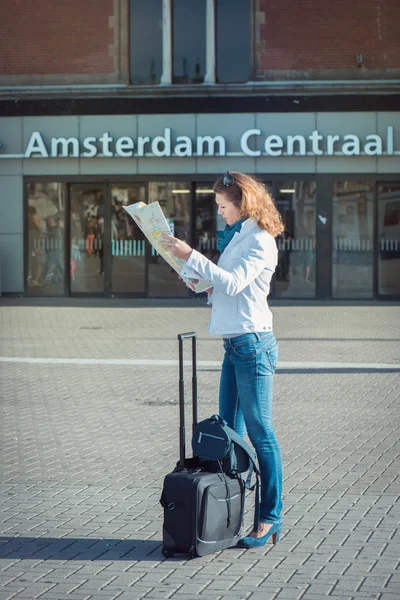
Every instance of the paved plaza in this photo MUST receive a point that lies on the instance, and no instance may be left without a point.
(89, 428)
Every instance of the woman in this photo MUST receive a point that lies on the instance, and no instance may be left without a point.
(240, 313)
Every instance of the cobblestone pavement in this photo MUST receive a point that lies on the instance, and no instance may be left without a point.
(85, 449)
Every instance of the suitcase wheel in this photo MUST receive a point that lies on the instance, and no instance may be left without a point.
(192, 553)
(167, 553)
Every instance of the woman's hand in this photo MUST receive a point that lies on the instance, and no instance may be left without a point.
(177, 247)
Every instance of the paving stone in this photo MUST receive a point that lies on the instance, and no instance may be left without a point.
(85, 450)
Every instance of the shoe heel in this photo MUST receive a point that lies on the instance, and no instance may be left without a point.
(276, 536)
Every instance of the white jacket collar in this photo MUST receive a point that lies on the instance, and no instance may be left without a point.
(248, 227)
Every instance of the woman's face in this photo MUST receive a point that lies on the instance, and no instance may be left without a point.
(227, 209)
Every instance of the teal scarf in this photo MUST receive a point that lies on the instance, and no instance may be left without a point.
(224, 237)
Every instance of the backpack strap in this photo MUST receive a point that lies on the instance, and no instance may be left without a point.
(237, 439)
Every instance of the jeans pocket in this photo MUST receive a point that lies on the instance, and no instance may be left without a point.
(246, 350)
(273, 355)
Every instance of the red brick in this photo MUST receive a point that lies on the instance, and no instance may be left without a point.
(320, 34)
(47, 37)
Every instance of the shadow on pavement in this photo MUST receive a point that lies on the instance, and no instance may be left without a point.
(80, 549)
(313, 371)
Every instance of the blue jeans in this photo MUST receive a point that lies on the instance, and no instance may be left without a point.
(245, 402)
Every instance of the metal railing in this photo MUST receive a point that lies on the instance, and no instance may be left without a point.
(137, 247)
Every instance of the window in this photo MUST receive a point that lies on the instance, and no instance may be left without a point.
(189, 41)
(352, 239)
(45, 238)
(295, 272)
(233, 41)
(146, 41)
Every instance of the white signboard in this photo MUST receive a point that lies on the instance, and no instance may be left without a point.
(252, 142)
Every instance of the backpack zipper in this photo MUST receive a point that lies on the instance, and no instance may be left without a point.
(216, 437)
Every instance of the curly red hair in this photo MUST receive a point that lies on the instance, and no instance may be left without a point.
(253, 200)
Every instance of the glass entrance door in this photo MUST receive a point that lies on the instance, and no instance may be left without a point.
(86, 238)
(128, 256)
(175, 201)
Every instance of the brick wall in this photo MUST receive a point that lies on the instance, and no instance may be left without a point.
(322, 34)
(87, 41)
(46, 37)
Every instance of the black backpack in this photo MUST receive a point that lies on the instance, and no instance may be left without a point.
(220, 449)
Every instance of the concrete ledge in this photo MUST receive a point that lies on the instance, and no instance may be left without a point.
(274, 84)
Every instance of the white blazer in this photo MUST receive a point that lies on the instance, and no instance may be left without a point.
(240, 281)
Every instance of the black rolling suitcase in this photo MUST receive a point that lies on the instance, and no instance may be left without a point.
(203, 510)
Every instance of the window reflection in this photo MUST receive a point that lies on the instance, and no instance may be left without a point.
(389, 237)
(295, 273)
(233, 41)
(352, 263)
(146, 41)
(45, 238)
(189, 41)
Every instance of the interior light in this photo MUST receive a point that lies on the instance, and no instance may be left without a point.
(287, 191)
(181, 191)
(204, 191)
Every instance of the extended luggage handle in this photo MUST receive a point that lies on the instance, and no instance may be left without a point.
(182, 430)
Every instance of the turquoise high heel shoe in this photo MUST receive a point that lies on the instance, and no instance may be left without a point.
(254, 542)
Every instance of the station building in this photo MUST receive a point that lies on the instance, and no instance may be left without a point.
(116, 102)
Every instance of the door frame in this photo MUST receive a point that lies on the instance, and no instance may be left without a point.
(107, 245)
